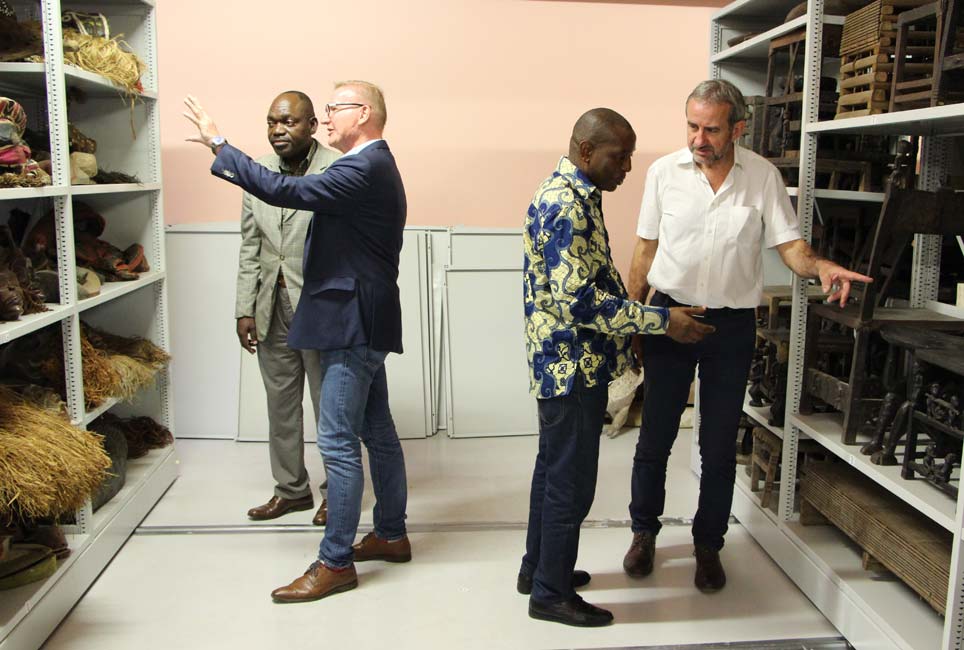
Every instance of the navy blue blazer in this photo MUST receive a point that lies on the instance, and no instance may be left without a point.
(350, 295)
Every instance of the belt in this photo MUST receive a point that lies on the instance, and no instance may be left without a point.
(281, 280)
(661, 299)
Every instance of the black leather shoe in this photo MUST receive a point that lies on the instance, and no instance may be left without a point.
(579, 579)
(638, 562)
(710, 576)
(574, 611)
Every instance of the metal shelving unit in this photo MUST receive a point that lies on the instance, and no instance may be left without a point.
(823, 562)
(134, 213)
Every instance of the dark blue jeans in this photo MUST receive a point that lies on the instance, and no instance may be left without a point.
(563, 487)
(724, 365)
(354, 410)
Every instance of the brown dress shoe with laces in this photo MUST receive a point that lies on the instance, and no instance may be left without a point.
(373, 547)
(710, 576)
(317, 582)
(321, 517)
(638, 562)
(278, 506)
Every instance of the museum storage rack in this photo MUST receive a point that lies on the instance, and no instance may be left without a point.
(128, 140)
(869, 611)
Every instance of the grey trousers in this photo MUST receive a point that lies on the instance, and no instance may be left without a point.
(283, 371)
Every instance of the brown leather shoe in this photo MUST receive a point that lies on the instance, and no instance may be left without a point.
(317, 582)
(373, 547)
(710, 576)
(638, 562)
(321, 517)
(278, 506)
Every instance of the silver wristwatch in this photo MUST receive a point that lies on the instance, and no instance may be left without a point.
(216, 142)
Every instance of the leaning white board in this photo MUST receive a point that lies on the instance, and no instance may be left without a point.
(202, 263)
(488, 387)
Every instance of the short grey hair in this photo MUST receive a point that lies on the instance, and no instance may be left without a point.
(719, 91)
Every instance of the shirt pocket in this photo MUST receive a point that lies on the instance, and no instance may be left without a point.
(744, 226)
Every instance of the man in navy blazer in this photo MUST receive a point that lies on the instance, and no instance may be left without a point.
(349, 311)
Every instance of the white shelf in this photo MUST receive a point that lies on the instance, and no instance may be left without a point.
(90, 416)
(888, 603)
(111, 290)
(26, 324)
(17, 603)
(758, 47)
(760, 414)
(827, 428)
(842, 195)
(934, 121)
(32, 192)
(769, 10)
(31, 78)
(847, 195)
(49, 601)
(113, 188)
(97, 86)
(23, 77)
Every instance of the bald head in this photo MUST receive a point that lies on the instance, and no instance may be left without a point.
(601, 146)
(291, 123)
(598, 126)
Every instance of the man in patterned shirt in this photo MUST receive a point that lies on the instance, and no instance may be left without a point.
(579, 323)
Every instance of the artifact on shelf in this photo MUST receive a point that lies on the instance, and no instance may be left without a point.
(18, 40)
(134, 360)
(77, 141)
(17, 167)
(892, 534)
(109, 57)
(28, 289)
(141, 433)
(928, 61)
(936, 418)
(47, 467)
(105, 177)
(867, 50)
(40, 531)
(904, 214)
(110, 262)
(115, 445)
(26, 563)
(83, 166)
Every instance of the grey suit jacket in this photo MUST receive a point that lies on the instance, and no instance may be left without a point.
(272, 239)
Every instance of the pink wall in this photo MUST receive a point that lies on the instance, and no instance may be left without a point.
(481, 94)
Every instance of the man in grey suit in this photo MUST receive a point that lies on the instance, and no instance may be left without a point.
(269, 287)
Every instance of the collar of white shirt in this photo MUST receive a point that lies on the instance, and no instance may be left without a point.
(363, 146)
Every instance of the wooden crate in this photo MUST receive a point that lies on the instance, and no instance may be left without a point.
(866, 51)
(890, 532)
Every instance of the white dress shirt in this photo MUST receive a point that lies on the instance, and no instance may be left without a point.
(710, 245)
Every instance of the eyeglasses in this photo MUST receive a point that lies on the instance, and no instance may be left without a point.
(337, 106)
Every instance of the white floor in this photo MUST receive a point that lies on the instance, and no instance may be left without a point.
(467, 506)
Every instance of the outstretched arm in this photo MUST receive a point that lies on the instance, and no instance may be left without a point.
(804, 261)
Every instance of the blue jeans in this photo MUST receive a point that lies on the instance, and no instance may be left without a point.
(563, 487)
(724, 363)
(354, 409)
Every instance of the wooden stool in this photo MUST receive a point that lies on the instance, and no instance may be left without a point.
(765, 462)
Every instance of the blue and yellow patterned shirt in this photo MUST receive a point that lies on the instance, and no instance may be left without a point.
(578, 316)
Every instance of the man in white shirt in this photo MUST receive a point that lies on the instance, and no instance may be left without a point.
(707, 212)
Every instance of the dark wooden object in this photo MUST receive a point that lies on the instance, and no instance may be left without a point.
(904, 213)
